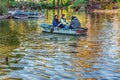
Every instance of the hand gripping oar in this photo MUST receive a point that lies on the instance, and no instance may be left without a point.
(52, 29)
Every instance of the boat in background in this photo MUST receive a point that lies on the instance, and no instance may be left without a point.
(47, 28)
(20, 14)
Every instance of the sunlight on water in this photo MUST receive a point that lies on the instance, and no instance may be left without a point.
(26, 53)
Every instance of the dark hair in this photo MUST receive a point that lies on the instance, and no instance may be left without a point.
(55, 18)
(72, 17)
(62, 16)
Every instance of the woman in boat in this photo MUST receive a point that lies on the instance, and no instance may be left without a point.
(75, 23)
(63, 20)
(56, 22)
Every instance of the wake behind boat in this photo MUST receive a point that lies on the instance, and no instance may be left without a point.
(47, 28)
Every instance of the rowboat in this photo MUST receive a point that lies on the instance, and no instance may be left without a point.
(20, 14)
(65, 31)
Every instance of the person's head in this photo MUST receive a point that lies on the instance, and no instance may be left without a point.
(72, 17)
(63, 16)
(56, 17)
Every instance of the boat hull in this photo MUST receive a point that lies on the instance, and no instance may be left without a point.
(47, 28)
(20, 14)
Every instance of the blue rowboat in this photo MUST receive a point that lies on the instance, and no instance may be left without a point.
(20, 14)
(47, 28)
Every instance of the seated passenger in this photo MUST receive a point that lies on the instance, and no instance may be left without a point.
(63, 20)
(75, 23)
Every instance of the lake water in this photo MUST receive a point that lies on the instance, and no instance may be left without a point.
(26, 53)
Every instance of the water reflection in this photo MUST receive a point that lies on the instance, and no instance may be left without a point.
(33, 55)
(8, 39)
(99, 52)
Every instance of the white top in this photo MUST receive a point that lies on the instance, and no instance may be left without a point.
(63, 21)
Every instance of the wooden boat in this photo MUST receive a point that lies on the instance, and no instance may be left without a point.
(35, 15)
(20, 14)
(47, 28)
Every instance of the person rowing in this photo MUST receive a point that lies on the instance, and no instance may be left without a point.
(56, 23)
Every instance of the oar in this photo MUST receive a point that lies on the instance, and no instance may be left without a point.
(52, 29)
